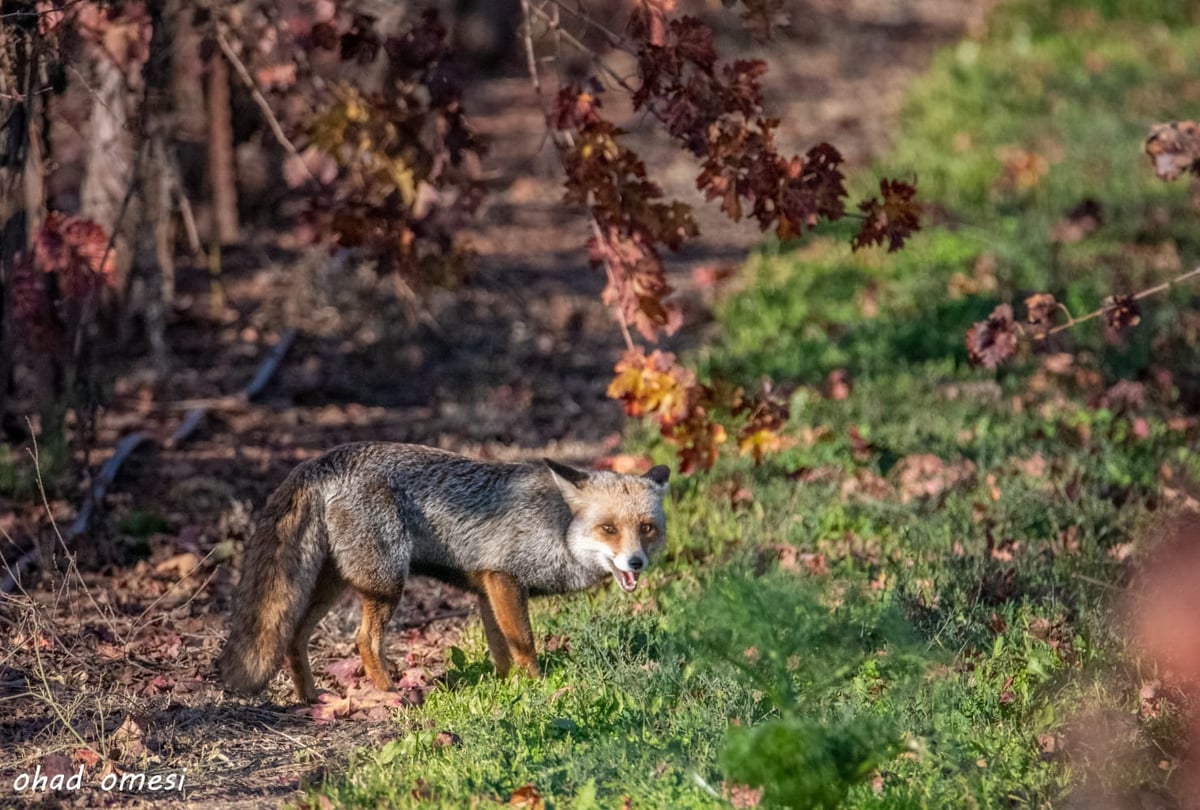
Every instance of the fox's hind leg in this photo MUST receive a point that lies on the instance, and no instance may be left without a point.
(376, 613)
(497, 644)
(504, 605)
(372, 549)
(329, 587)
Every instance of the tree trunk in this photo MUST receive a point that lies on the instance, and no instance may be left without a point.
(108, 161)
(153, 257)
(221, 174)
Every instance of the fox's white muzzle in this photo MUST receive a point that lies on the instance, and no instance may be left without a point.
(627, 568)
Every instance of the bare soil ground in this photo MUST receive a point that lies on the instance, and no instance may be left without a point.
(117, 660)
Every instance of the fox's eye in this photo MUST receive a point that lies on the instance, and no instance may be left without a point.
(646, 528)
(609, 528)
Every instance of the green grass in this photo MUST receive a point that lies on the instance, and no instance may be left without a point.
(947, 634)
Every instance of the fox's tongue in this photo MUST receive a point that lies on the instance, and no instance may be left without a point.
(628, 580)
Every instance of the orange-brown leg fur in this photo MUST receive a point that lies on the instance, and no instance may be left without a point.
(497, 643)
(506, 622)
(376, 613)
(329, 588)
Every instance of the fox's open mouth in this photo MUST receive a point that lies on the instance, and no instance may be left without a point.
(628, 580)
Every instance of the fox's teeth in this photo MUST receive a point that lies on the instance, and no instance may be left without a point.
(628, 580)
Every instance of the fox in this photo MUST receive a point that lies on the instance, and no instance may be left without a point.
(368, 515)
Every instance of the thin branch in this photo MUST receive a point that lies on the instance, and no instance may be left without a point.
(535, 78)
(582, 47)
(614, 39)
(530, 58)
(259, 99)
(116, 228)
(1072, 322)
(1165, 285)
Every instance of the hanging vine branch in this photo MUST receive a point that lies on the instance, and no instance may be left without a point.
(1174, 149)
(714, 110)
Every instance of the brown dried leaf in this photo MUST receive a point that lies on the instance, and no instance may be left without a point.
(866, 484)
(993, 341)
(1042, 311)
(924, 475)
(130, 739)
(1080, 222)
(1174, 148)
(447, 739)
(895, 219)
(1121, 312)
(1021, 170)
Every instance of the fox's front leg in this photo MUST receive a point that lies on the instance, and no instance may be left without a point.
(504, 605)
(375, 615)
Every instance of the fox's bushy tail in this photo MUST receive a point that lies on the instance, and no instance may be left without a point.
(279, 574)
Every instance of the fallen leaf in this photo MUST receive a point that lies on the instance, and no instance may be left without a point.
(1080, 222)
(86, 756)
(838, 385)
(865, 483)
(744, 795)
(130, 738)
(447, 739)
(1050, 745)
(923, 475)
(345, 671)
(1174, 148)
(526, 796)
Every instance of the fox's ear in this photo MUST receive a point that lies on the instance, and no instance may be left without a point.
(569, 474)
(570, 483)
(659, 474)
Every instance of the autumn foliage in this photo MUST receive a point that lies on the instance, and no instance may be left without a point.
(714, 110)
(379, 158)
(70, 264)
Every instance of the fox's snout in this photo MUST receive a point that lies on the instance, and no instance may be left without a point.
(632, 562)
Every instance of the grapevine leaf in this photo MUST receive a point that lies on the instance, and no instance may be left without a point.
(993, 341)
(894, 219)
(1121, 311)
(1042, 312)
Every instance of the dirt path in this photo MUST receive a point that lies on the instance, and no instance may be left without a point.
(513, 365)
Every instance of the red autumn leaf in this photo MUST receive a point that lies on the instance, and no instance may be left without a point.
(894, 219)
(574, 108)
(76, 251)
(699, 439)
(86, 756)
(36, 325)
(647, 21)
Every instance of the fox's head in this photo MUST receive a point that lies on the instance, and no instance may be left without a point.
(617, 520)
